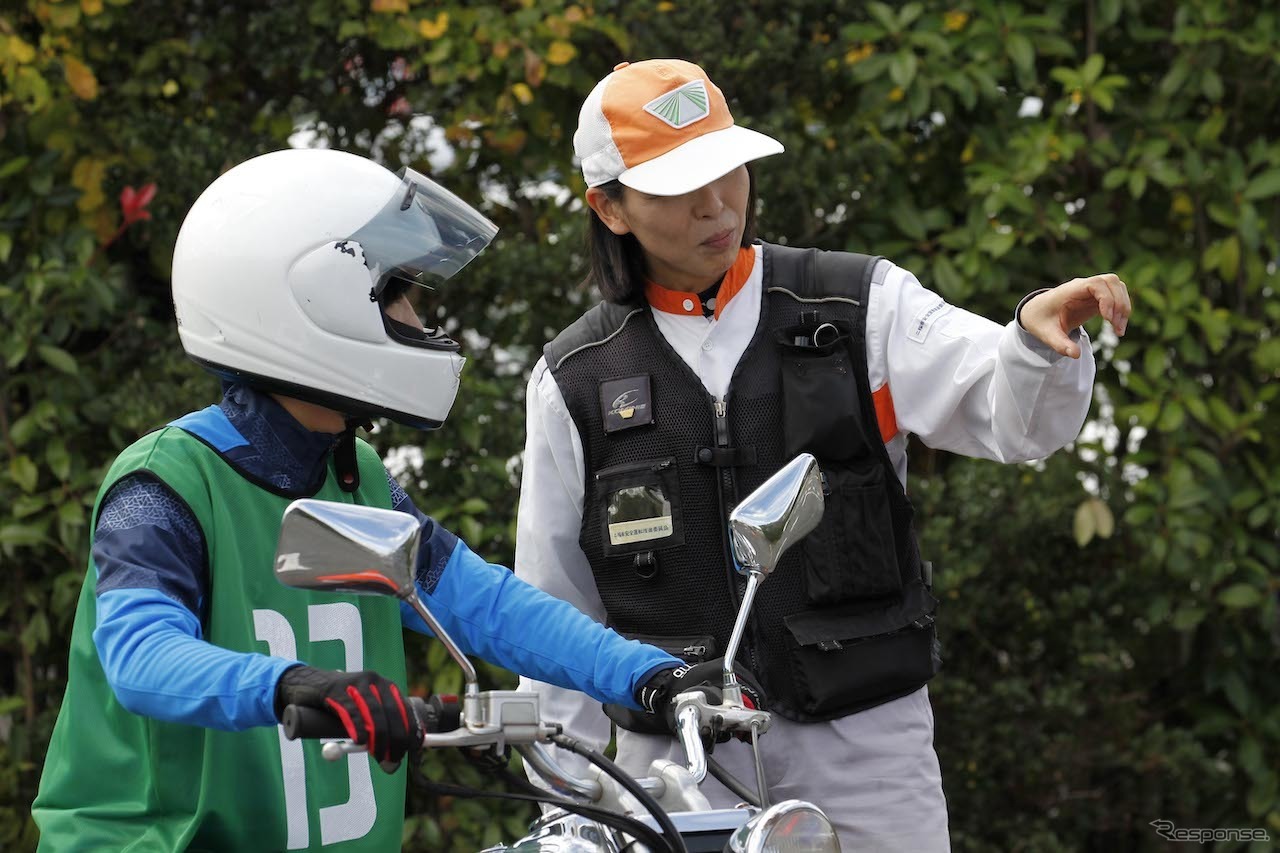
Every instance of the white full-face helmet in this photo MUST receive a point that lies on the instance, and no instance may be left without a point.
(285, 265)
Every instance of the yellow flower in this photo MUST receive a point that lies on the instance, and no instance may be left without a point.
(574, 14)
(434, 29)
(91, 7)
(955, 20)
(389, 6)
(664, 6)
(1076, 96)
(896, 94)
(966, 156)
(561, 52)
(1182, 204)
(80, 78)
(523, 93)
(857, 54)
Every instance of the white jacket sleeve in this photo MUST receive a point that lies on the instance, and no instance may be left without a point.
(965, 384)
(548, 555)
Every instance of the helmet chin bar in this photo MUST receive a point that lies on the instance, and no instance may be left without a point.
(350, 408)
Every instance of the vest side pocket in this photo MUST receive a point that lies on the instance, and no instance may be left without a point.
(689, 648)
(844, 662)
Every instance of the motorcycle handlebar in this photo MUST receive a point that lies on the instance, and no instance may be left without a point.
(435, 714)
(300, 721)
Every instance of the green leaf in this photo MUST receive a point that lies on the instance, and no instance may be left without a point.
(474, 506)
(1171, 416)
(24, 472)
(1188, 617)
(1229, 259)
(58, 358)
(19, 535)
(1211, 85)
(1238, 693)
(1264, 185)
(1021, 52)
(1109, 12)
(902, 68)
(884, 16)
(6, 246)
(1240, 595)
(1104, 520)
(14, 166)
(36, 633)
(1267, 355)
(1068, 77)
(1092, 69)
(997, 244)
(1085, 524)
(908, 14)
(59, 459)
(1115, 178)
(1137, 183)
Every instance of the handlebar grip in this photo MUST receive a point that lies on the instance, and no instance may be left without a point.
(299, 721)
(437, 713)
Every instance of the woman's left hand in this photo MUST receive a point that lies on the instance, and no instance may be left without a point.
(1052, 315)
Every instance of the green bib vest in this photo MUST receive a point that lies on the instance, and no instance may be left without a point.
(114, 780)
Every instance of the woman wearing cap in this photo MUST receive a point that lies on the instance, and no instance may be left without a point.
(712, 361)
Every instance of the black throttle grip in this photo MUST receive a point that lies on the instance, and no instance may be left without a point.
(437, 713)
(299, 721)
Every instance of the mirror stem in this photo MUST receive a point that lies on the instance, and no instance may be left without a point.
(471, 691)
(733, 693)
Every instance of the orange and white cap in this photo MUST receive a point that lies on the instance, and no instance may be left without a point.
(663, 128)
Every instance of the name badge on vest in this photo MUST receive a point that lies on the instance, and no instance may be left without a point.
(626, 403)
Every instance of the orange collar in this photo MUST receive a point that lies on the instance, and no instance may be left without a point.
(687, 304)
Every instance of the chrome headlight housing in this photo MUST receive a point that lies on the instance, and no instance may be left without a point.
(792, 826)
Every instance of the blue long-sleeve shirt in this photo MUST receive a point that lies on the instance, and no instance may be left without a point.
(151, 593)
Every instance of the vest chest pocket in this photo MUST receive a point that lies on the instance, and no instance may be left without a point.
(640, 506)
(820, 407)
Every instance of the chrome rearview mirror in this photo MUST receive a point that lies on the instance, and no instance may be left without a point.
(770, 520)
(339, 547)
(776, 515)
(347, 548)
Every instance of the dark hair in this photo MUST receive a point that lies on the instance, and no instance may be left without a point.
(617, 262)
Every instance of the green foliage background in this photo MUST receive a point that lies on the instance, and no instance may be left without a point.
(1110, 615)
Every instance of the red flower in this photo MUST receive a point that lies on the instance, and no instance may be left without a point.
(133, 203)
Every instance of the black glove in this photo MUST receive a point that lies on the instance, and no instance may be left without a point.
(369, 706)
(655, 695)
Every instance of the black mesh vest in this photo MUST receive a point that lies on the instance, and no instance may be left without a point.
(845, 622)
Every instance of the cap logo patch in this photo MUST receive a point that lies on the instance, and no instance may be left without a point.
(683, 106)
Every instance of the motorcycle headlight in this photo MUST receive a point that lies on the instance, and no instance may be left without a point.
(791, 826)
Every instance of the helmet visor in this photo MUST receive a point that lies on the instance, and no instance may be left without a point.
(424, 234)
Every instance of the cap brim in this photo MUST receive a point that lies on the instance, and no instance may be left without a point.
(700, 161)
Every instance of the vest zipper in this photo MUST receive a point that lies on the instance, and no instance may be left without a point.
(725, 496)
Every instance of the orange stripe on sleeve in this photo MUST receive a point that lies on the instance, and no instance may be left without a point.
(885, 415)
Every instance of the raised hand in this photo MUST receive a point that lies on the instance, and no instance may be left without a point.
(1052, 315)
